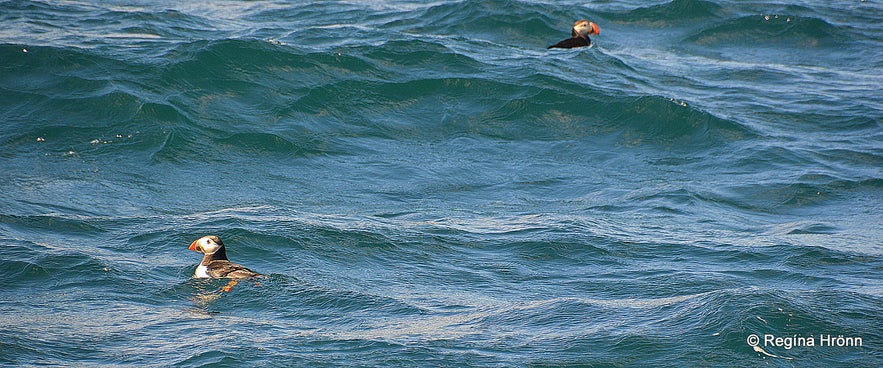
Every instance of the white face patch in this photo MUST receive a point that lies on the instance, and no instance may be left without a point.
(208, 245)
(581, 28)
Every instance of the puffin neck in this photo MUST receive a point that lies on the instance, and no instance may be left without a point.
(220, 254)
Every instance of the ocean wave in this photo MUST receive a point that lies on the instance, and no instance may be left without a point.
(677, 12)
(770, 31)
(236, 88)
(497, 22)
(36, 265)
(262, 143)
(426, 182)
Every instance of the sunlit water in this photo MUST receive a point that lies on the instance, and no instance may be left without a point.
(426, 185)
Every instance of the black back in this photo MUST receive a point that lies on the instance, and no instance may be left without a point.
(572, 42)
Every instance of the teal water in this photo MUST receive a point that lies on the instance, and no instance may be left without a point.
(426, 185)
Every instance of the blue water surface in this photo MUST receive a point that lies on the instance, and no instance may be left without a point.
(425, 184)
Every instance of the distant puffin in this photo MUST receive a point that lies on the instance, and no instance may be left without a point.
(215, 263)
(580, 35)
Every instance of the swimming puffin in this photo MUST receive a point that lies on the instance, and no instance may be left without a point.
(215, 263)
(580, 35)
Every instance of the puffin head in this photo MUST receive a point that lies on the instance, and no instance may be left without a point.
(207, 244)
(583, 28)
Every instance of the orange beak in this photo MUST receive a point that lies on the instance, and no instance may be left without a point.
(595, 30)
(193, 246)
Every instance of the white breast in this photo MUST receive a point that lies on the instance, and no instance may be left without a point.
(201, 272)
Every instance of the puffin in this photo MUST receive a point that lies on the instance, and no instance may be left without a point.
(580, 35)
(215, 263)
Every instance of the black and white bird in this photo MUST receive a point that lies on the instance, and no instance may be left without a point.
(579, 35)
(215, 263)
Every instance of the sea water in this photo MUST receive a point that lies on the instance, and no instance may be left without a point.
(425, 184)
